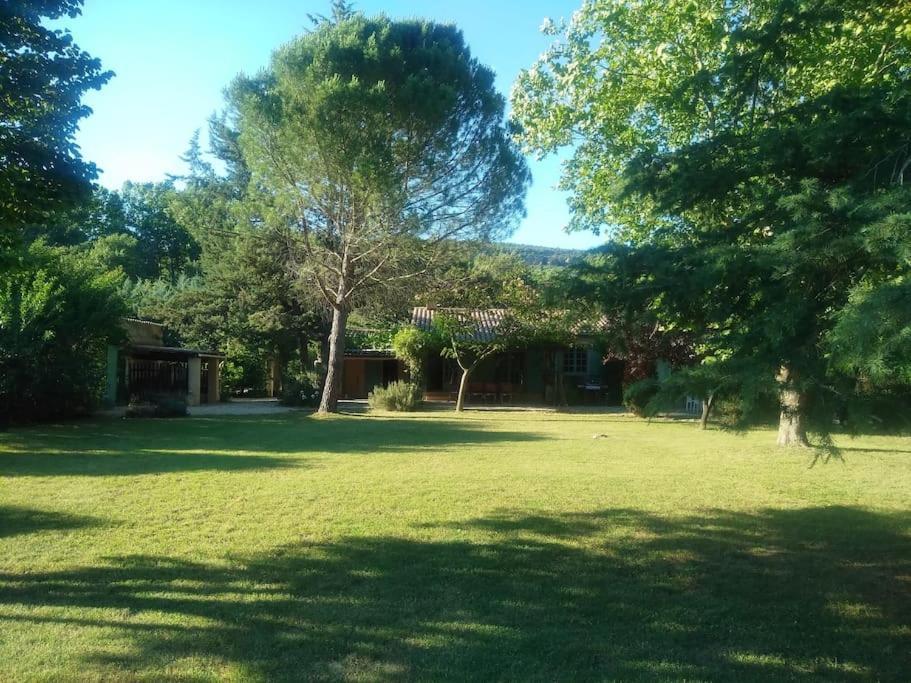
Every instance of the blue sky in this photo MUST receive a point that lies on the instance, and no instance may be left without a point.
(173, 58)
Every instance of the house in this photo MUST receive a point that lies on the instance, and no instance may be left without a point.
(145, 366)
(540, 374)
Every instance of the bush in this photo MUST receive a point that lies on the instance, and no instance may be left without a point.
(300, 391)
(163, 405)
(400, 397)
(638, 395)
(58, 314)
(412, 345)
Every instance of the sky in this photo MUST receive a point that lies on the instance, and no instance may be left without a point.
(173, 58)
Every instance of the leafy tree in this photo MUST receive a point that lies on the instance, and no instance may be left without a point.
(165, 247)
(58, 313)
(242, 296)
(115, 252)
(341, 10)
(411, 346)
(43, 76)
(101, 215)
(378, 141)
(748, 151)
(492, 287)
(460, 336)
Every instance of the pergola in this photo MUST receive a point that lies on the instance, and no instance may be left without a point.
(145, 367)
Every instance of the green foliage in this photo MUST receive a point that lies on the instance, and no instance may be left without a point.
(873, 333)
(243, 297)
(165, 247)
(412, 346)
(43, 76)
(639, 396)
(160, 405)
(745, 155)
(116, 252)
(379, 141)
(370, 338)
(400, 397)
(300, 390)
(534, 255)
(58, 313)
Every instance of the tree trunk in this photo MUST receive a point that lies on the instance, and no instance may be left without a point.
(332, 388)
(323, 361)
(463, 387)
(707, 406)
(792, 429)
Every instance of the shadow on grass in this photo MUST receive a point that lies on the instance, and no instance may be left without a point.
(224, 444)
(865, 449)
(817, 593)
(16, 520)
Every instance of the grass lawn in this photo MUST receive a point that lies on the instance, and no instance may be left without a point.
(489, 546)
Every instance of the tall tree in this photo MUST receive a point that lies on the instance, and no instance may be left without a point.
(165, 246)
(753, 147)
(378, 141)
(43, 76)
(244, 300)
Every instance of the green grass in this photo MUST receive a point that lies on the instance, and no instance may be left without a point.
(490, 546)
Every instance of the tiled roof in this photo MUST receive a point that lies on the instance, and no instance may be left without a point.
(143, 322)
(485, 320)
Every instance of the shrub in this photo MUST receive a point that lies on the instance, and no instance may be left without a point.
(401, 397)
(161, 405)
(411, 345)
(299, 391)
(58, 314)
(638, 395)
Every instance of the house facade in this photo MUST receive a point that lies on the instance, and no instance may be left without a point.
(145, 366)
(537, 375)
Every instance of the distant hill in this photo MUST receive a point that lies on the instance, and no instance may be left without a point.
(541, 256)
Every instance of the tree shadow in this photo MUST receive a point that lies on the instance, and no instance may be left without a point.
(230, 443)
(16, 520)
(814, 593)
(125, 463)
(866, 449)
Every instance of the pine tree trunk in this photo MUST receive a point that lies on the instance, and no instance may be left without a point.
(707, 406)
(323, 361)
(332, 388)
(792, 430)
(463, 387)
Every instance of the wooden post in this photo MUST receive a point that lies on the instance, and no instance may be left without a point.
(110, 392)
(214, 387)
(194, 377)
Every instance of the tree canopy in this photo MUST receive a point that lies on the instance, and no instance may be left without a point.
(749, 159)
(43, 76)
(378, 141)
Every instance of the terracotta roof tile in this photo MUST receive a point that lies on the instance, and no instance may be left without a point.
(486, 320)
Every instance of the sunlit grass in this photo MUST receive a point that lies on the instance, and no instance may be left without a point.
(430, 546)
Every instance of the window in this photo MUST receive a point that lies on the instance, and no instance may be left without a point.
(575, 360)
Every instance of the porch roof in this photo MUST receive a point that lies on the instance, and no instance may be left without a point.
(172, 351)
(369, 353)
(486, 320)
